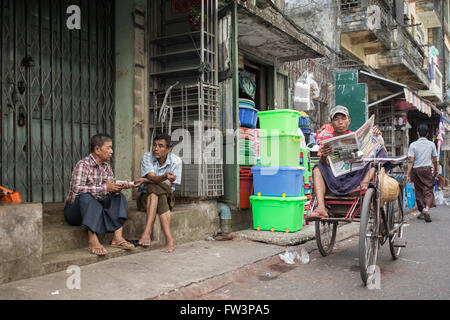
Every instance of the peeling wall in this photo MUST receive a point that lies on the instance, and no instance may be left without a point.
(318, 17)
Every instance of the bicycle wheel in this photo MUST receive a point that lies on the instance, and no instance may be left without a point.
(395, 220)
(368, 234)
(325, 236)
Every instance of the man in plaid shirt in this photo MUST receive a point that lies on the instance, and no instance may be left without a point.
(94, 199)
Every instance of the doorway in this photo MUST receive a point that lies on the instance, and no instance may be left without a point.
(57, 90)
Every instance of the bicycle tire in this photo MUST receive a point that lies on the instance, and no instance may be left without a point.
(395, 216)
(368, 247)
(325, 236)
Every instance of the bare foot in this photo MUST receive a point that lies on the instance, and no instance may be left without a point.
(318, 213)
(145, 240)
(168, 249)
(169, 246)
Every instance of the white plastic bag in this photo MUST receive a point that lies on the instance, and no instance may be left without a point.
(288, 257)
(303, 257)
(439, 197)
(306, 89)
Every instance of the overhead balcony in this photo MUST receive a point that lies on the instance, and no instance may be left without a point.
(434, 94)
(428, 12)
(365, 26)
(405, 62)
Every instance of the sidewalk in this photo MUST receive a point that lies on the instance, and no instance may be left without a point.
(153, 274)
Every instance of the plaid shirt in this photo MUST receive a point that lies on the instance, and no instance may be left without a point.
(89, 177)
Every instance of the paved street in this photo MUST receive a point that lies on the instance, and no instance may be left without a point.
(422, 272)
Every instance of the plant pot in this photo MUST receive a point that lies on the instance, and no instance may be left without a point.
(195, 27)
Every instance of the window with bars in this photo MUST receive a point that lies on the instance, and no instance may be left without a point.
(350, 4)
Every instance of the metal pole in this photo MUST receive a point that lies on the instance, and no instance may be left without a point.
(444, 63)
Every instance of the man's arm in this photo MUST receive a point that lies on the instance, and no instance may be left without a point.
(435, 166)
(410, 166)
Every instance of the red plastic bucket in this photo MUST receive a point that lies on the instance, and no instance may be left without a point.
(245, 187)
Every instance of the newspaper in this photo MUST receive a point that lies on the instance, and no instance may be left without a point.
(344, 148)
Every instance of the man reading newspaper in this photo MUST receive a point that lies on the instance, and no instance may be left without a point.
(335, 174)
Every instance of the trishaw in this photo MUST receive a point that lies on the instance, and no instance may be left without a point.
(379, 222)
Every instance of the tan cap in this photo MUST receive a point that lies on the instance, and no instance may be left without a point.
(338, 109)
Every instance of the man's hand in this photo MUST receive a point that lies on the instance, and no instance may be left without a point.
(112, 186)
(138, 182)
(168, 183)
(127, 185)
(376, 131)
(325, 152)
(171, 177)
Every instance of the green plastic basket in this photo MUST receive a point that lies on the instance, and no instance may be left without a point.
(283, 214)
(285, 120)
(247, 160)
(281, 150)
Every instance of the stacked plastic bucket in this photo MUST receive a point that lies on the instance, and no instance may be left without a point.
(248, 143)
(278, 204)
(248, 149)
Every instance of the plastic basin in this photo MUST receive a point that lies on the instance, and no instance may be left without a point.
(281, 150)
(283, 214)
(286, 120)
(248, 116)
(278, 181)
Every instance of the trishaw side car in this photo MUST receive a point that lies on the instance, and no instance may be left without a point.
(379, 221)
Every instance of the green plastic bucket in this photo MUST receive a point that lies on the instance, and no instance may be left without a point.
(281, 150)
(285, 120)
(283, 214)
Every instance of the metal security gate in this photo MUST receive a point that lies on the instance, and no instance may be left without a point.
(57, 90)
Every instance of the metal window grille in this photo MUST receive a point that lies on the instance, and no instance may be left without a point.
(56, 90)
(195, 111)
(350, 4)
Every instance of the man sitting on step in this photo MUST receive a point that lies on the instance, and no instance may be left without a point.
(94, 200)
(160, 169)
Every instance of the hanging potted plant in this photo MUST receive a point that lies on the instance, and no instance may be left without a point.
(195, 18)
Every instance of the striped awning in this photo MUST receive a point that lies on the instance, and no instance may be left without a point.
(419, 103)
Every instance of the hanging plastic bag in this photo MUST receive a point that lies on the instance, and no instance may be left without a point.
(411, 200)
(247, 83)
(305, 89)
(314, 87)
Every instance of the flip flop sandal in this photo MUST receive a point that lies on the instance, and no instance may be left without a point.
(123, 245)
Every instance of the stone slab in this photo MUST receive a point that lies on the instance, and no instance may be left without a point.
(21, 241)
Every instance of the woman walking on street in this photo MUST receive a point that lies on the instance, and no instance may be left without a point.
(423, 156)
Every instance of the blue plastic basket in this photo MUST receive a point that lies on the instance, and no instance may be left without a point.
(278, 181)
(248, 116)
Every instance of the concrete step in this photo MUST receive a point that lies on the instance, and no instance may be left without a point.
(53, 213)
(188, 223)
(59, 261)
(61, 237)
